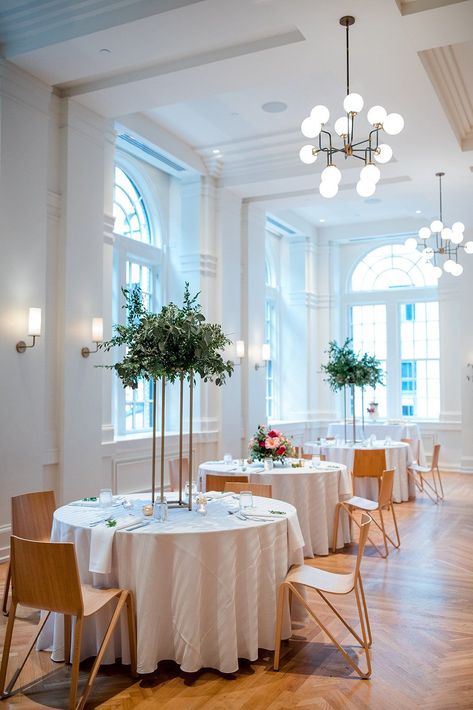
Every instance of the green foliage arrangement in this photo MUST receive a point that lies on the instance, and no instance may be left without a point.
(344, 368)
(175, 341)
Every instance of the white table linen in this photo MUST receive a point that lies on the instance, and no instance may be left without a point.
(398, 457)
(205, 587)
(314, 492)
(397, 431)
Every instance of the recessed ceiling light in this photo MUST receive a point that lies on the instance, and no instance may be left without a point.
(274, 106)
(321, 220)
(418, 211)
(216, 151)
(105, 51)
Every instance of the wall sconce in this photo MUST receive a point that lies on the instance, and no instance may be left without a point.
(34, 329)
(265, 356)
(97, 337)
(239, 351)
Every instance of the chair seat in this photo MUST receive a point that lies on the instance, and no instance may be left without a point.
(363, 503)
(330, 582)
(94, 599)
(419, 469)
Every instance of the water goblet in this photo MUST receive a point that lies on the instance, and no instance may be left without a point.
(105, 498)
(227, 459)
(246, 500)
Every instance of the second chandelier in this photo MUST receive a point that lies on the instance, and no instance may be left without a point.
(367, 150)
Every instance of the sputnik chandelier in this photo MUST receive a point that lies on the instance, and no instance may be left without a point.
(366, 150)
(439, 243)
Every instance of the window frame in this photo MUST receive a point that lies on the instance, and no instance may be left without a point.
(392, 299)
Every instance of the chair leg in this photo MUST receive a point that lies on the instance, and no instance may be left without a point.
(14, 678)
(278, 629)
(352, 518)
(5, 593)
(103, 646)
(6, 649)
(365, 608)
(335, 526)
(67, 639)
(337, 613)
(440, 482)
(395, 528)
(346, 656)
(366, 644)
(130, 611)
(384, 532)
(433, 488)
(75, 662)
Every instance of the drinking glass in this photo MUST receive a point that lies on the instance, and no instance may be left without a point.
(227, 459)
(105, 498)
(268, 464)
(388, 441)
(161, 510)
(246, 500)
(315, 461)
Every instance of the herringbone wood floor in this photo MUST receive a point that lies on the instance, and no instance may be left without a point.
(420, 601)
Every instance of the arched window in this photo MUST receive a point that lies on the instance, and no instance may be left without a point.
(137, 263)
(131, 217)
(390, 266)
(393, 313)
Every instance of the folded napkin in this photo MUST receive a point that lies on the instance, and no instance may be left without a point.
(255, 513)
(101, 543)
(211, 495)
(86, 503)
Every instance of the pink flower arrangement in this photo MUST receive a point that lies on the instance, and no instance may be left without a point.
(269, 443)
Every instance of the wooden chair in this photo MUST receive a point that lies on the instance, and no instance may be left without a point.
(384, 502)
(216, 481)
(45, 576)
(414, 446)
(419, 473)
(323, 582)
(31, 518)
(174, 473)
(258, 489)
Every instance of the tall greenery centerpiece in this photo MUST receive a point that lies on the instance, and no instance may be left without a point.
(345, 369)
(173, 345)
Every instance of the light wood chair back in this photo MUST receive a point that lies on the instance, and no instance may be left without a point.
(39, 574)
(369, 463)
(31, 518)
(258, 489)
(386, 488)
(45, 576)
(308, 457)
(174, 473)
(216, 481)
(32, 515)
(435, 456)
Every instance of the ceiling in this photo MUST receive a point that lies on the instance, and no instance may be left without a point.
(203, 69)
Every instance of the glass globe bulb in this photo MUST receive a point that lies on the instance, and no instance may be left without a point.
(353, 103)
(457, 270)
(376, 115)
(371, 173)
(393, 124)
(385, 153)
(424, 232)
(320, 114)
(411, 244)
(310, 128)
(447, 266)
(458, 227)
(428, 253)
(469, 247)
(306, 154)
(446, 233)
(365, 188)
(328, 189)
(331, 174)
(437, 272)
(457, 237)
(436, 225)
(341, 126)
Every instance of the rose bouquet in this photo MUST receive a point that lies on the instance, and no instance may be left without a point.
(269, 443)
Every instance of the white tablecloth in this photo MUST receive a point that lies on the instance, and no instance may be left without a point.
(397, 457)
(397, 431)
(313, 492)
(205, 587)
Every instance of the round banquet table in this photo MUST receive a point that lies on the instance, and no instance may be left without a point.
(313, 490)
(396, 430)
(205, 588)
(398, 457)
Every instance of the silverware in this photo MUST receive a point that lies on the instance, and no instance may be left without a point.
(137, 525)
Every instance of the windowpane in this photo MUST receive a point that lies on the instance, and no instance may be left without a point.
(368, 332)
(131, 218)
(271, 339)
(420, 366)
(390, 267)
